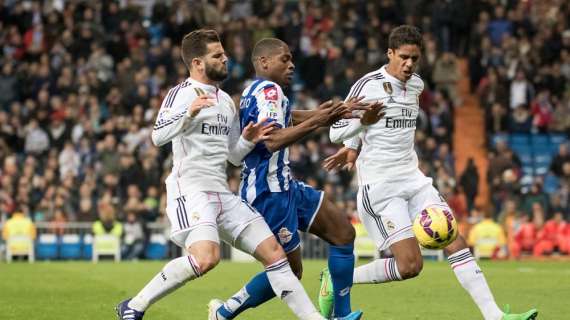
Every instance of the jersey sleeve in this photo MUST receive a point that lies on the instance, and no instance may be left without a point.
(173, 116)
(347, 130)
(270, 104)
(239, 147)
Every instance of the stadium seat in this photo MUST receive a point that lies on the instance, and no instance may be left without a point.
(522, 150)
(551, 183)
(528, 170)
(47, 247)
(432, 254)
(20, 245)
(519, 139)
(106, 245)
(540, 139)
(70, 246)
(157, 247)
(87, 247)
(526, 158)
(558, 138)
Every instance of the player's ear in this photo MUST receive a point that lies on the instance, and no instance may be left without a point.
(264, 62)
(390, 53)
(196, 63)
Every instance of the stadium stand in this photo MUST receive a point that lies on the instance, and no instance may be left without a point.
(81, 83)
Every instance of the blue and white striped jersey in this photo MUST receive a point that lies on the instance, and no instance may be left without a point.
(264, 171)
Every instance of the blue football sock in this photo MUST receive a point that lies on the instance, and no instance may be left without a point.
(257, 291)
(341, 267)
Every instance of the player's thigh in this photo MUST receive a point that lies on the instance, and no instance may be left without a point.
(193, 217)
(332, 224)
(386, 220)
(279, 209)
(243, 227)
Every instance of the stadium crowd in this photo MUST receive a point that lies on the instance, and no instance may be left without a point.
(81, 84)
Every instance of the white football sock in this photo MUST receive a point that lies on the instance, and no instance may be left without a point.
(174, 274)
(377, 271)
(289, 289)
(472, 279)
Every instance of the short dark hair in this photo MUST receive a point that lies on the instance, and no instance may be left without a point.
(403, 35)
(195, 44)
(266, 46)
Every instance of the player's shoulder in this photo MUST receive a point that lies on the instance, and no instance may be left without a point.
(266, 90)
(366, 83)
(416, 81)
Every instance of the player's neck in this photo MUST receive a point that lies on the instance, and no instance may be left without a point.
(390, 70)
(202, 78)
(261, 75)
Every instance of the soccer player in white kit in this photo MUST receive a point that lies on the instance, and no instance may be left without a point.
(202, 121)
(392, 189)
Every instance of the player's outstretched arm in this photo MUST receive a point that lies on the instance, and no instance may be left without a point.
(171, 123)
(241, 145)
(353, 105)
(345, 129)
(324, 116)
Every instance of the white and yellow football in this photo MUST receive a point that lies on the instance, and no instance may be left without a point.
(435, 227)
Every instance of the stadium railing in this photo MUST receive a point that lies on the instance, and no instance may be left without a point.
(75, 241)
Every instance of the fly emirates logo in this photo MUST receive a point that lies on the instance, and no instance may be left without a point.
(219, 128)
(407, 119)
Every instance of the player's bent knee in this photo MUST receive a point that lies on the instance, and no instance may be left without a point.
(410, 268)
(269, 251)
(207, 261)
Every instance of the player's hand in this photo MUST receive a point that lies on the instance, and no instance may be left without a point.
(354, 105)
(329, 112)
(374, 113)
(202, 102)
(256, 132)
(345, 158)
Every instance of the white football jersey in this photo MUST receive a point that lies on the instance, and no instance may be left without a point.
(200, 145)
(388, 145)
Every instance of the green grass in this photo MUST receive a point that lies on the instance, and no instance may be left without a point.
(76, 290)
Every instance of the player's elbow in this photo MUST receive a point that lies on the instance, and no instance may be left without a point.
(156, 138)
(335, 137)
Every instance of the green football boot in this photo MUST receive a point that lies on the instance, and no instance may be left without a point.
(529, 315)
(326, 296)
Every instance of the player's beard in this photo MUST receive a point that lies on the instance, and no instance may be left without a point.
(216, 75)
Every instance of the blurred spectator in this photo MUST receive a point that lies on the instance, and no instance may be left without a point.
(535, 196)
(107, 223)
(488, 238)
(133, 237)
(446, 75)
(469, 182)
(19, 224)
(522, 91)
(552, 236)
(560, 159)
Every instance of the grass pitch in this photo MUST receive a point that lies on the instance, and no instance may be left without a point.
(82, 290)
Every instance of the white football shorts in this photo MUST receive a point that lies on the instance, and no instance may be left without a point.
(388, 209)
(213, 215)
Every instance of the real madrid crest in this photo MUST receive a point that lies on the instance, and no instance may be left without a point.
(388, 88)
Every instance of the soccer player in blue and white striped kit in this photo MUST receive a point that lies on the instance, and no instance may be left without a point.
(286, 204)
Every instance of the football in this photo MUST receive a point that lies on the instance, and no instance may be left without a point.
(435, 227)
